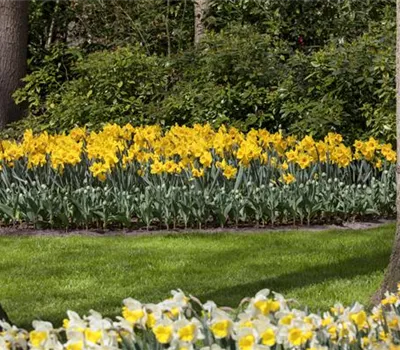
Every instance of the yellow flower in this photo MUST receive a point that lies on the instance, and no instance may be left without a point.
(37, 338)
(151, 320)
(66, 323)
(206, 159)
(332, 332)
(297, 337)
(78, 345)
(230, 172)
(163, 333)
(267, 306)
(92, 336)
(288, 178)
(303, 160)
(389, 300)
(359, 319)
(247, 342)
(221, 329)
(284, 166)
(358, 144)
(327, 321)
(197, 172)
(187, 332)
(286, 320)
(132, 316)
(268, 337)
(157, 168)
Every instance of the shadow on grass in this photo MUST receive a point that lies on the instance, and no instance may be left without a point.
(344, 269)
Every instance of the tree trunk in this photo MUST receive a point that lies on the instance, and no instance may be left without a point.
(3, 315)
(392, 275)
(13, 52)
(200, 9)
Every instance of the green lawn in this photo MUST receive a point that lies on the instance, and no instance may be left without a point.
(42, 277)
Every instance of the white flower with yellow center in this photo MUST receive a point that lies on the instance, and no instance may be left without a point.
(264, 304)
(163, 330)
(286, 318)
(297, 334)
(134, 312)
(246, 339)
(154, 314)
(266, 330)
(43, 337)
(220, 324)
(188, 331)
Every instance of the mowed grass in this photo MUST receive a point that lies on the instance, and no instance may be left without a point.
(42, 277)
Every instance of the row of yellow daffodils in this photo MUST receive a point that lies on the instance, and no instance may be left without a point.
(266, 321)
(190, 149)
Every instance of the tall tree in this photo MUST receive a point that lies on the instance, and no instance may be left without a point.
(200, 9)
(13, 54)
(392, 276)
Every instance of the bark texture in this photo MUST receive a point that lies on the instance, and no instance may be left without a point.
(13, 52)
(3, 316)
(392, 275)
(200, 9)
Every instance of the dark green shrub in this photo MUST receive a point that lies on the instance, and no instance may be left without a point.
(237, 76)
(348, 88)
(107, 86)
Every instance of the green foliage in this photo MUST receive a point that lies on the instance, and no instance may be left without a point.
(56, 68)
(312, 23)
(107, 85)
(228, 80)
(309, 67)
(160, 26)
(348, 88)
(44, 197)
(237, 76)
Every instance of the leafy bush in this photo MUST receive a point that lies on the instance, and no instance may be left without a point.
(347, 88)
(107, 85)
(308, 24)
(265, 321)
(237, 76)
(227, 81)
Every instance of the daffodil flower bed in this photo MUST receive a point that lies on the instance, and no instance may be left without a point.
(266, 321)
(191, 176)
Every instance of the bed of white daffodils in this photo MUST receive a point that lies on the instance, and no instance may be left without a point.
(266, 321)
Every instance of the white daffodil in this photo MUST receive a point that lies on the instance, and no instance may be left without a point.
(154, 314)
(287, 317)
(134, 312)
(74, 322)
(220, 324)
(262, 304)
(43, 336)
(247, 339)
(175, 306)
(296, 334)
(188, 331)
(266, 330)
(4, 345)
(163, 330)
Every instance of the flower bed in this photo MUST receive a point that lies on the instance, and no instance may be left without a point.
(267, 321)
(194, 177)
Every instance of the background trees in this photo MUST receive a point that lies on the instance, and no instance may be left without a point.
(311, 67)
(13, 48)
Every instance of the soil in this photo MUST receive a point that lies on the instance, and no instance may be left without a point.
(355, 225)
